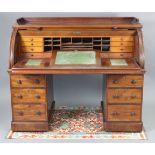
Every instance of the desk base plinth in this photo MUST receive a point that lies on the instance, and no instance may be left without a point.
(29, 126)
(123, 126)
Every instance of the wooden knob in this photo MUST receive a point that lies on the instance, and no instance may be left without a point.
(133, 81)
(38, 113)
(132, 113)
(115, 81)
(37, 96)
(31, 44)
(19, 81)
(133, 96)
(115, 96)
(20, 96)
(31, 39)
(31, 49)
(37, 81)
(115, 113)
(20, 113)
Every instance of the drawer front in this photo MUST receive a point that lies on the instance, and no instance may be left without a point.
(121, 43)
(29, 112)
(121, 49)
(125, 81)
(24, 38)
(124, 113)
(28, 95)
(28, 81)
(118, 95)
(122, 38)
(31, 49)
(32, 43)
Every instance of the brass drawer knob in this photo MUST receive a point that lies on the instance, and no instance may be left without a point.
(132, 113)
(133, 81)
(115, 81)
(115, 113)
(37, 96)
(37, 81)
(116, 96)
(19, 81)
(20, 113)
(20, 96)
(38, 113)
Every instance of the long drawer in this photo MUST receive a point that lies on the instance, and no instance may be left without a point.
(33, 38)
(121, 49)
(29, 112)
(121, 43)
(124, 113)
(125, 81)
(124, 95)
(28, 81)
(28, 95)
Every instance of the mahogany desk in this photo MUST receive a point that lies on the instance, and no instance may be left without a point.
(39, 39)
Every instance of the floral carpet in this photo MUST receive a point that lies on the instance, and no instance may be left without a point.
(76, 123)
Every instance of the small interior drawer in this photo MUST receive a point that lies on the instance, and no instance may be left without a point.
(28, 38)
(32, 43)
(32, 49)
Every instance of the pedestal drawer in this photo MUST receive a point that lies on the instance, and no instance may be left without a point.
(28, 81)
(124, 95)
(29, 95)
(29, 112)
(124, 113)
(125, 81)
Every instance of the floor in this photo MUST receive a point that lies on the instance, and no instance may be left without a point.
(148, 118)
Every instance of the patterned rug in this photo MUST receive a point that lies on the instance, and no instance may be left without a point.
(76, 123)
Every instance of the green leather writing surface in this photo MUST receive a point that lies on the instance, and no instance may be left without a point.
(32, 62)
(75, 57)
(118, 62)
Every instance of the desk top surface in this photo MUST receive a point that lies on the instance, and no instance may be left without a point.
(48, 65)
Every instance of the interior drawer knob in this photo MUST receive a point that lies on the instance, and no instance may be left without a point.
(31, 39)
(115, 81)
(31, 44)
(19, 81)
(38, 113)
(133, 81)
(31, 49)
(20, 96)
(37, 96)
(115, 113)
(37, 81)
(132, 113)
(20, 113)
(116, 96)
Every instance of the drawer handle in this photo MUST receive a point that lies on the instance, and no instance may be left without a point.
(115, 113)
(20, 113)
(19, 81)
(32, 44)
(38, 113)
(31, 39)
(133, 81)
(20, 96)
(37, 81)
(115, 96)
(37, 96)
(115, 81)
(132, 113)
(31, 49)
